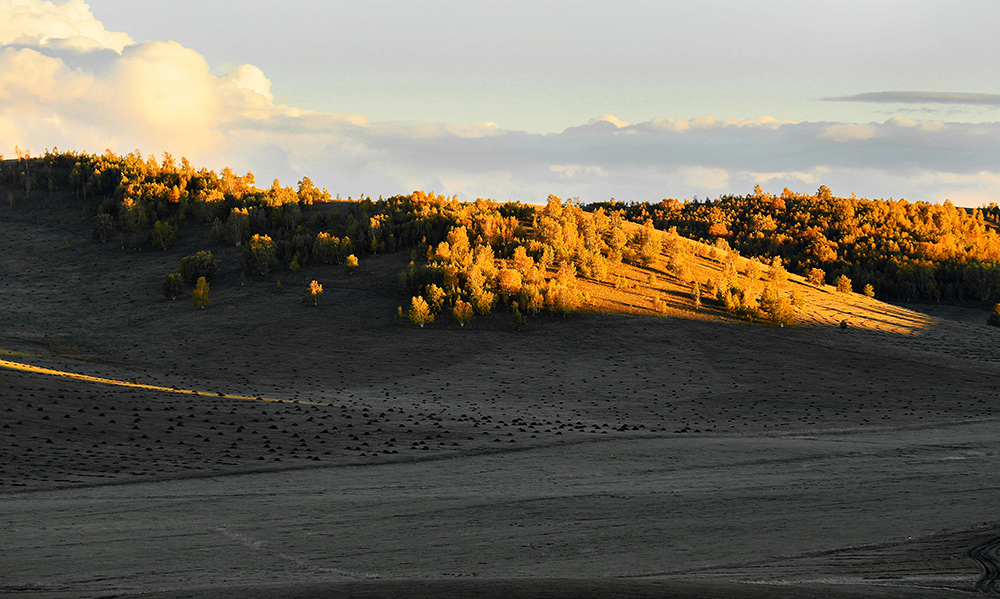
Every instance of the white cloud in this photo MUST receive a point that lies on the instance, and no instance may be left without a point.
(609, 118)
(64, 25)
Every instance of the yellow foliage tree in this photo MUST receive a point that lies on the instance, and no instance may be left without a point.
(315, 292)
(462, 312)
(420, 312)
(200, 294)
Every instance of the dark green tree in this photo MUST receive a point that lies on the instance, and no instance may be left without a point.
(173, 285)
(196, 266)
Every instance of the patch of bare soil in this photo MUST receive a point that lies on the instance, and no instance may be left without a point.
(593, 456)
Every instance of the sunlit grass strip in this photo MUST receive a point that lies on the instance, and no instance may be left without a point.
(94, 379)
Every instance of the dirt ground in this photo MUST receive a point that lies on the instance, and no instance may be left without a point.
(598, 456)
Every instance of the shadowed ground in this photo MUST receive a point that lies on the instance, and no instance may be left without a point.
(598, 456)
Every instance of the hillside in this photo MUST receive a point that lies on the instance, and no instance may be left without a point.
(618, 448)
(907, 251)
(483, 257)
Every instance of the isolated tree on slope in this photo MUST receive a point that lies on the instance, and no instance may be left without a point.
(200, 294)
(844, 284)
(420, 312)
(315, 293)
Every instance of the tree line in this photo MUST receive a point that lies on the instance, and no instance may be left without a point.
(904, 250)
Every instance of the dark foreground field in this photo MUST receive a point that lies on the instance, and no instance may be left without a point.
(588, 457)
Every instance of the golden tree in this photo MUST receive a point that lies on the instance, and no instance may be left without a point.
(315, 292)
(509, 283)
(420, 312)
(435, 297)
(462, 312)
(200, 294)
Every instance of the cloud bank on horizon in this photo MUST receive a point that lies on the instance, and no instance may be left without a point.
(67, 82)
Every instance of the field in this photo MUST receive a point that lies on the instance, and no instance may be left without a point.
(600, 455)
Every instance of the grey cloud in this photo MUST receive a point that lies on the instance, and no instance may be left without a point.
(921, 98)
(647, 161)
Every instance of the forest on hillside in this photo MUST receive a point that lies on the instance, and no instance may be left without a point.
(907, 251)
(466, 258)
(477, 257)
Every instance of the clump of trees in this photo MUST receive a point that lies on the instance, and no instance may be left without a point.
(904, 250)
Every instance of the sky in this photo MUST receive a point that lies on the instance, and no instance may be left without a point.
(515, 100)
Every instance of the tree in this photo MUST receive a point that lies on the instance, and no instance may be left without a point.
(462, 312)
(844, 284)
(816, 276)
(200, 294)
(776, 307)
(351, 264)
(696, 294)
(315, 293)
(776, 273)
(261, 254)
(869, 290)
(103, 228)
(509, 283)
(522, 261)
(196, 266)
(173, 285)
(435, 297)
(650, 244)
(238, 226)
(164, 234)
(420, 312)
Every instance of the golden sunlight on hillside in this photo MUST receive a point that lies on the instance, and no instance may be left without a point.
(667, 287)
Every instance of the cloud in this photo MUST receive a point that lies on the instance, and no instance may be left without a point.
(922, 98)
(160, 96)
(609, 118)
(848, 132)
(71, 25)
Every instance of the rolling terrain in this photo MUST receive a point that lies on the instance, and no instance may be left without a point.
(601, 454)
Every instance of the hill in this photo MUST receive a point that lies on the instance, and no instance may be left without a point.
(594, 453)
